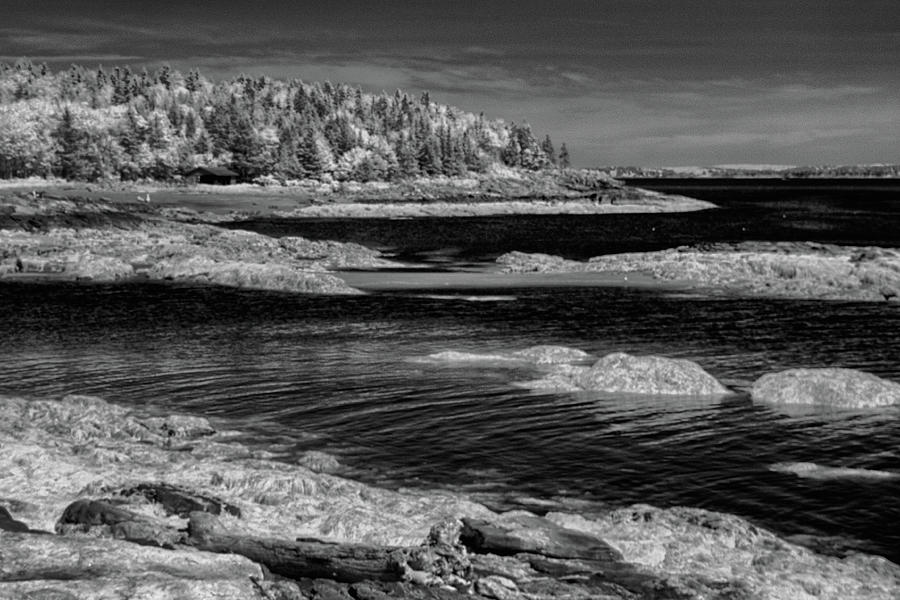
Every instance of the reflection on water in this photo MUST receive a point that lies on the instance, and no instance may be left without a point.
(336, 374)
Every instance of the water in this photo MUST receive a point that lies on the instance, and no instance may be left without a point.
(335, 374)
(825, 211)
(338, 374)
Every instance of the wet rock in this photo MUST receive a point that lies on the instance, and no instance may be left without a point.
(832, 387)
(807, 470)
(620, 372)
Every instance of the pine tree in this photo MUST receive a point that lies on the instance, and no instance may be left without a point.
(563, 157)
(429, 156)
(71, 140)
(549, 150)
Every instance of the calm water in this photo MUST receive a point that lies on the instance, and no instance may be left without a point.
(838, 213)
(338, 374)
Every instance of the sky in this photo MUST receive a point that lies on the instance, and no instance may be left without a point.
(621, 82)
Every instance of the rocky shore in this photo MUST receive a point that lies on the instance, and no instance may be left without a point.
(509, 193)
(106, 502)
(88, 239)
(801, 270)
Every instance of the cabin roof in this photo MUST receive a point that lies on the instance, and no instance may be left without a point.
(217, 171)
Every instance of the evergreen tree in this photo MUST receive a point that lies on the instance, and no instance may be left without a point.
(549, 150)
(429, 156)
(564, 157)
(142, 125)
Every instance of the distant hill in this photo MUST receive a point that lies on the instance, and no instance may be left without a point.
(93, 124)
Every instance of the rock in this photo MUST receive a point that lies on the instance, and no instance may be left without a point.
(807, 470)
(198, 269)
(8, 523)
(833, 387)
(522, 532)
(552, 355)
(704, 554)
(179, 426)
(522, 262)
(770, 269)
(102, 519)
(83, 568)
(495, 586)
(620, 372)
(319, 462)
(180, 501)
(535, 355)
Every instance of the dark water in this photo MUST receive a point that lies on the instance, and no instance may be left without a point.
(338, 373)
(335, 374)
(825, 211)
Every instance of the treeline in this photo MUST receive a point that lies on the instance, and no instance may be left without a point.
(118, 124)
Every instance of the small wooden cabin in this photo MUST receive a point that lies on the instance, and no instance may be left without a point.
(211, 175)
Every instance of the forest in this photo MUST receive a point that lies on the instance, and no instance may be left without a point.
(94, 124)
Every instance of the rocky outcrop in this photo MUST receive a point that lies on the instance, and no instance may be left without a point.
(510, 192)
(201, 270)
(624, 373)
(832, 387)
(74, 568)
(772, 269)
(150, 506)
(155, 247)
(704, 554)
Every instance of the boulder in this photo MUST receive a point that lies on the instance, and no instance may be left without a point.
(833, 387)
(623, 373)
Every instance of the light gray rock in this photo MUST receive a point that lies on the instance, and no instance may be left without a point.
(833, 387)
(808, 470)
(552, 355)
(49, 566)
(624, 373)
(705, 553)
(274, 277)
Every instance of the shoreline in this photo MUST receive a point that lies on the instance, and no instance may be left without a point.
(570, 192)
(122, 463)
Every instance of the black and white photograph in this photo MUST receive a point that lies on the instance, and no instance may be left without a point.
(447, 300)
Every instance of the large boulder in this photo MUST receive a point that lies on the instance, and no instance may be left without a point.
(841, 388)
(623, 373)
